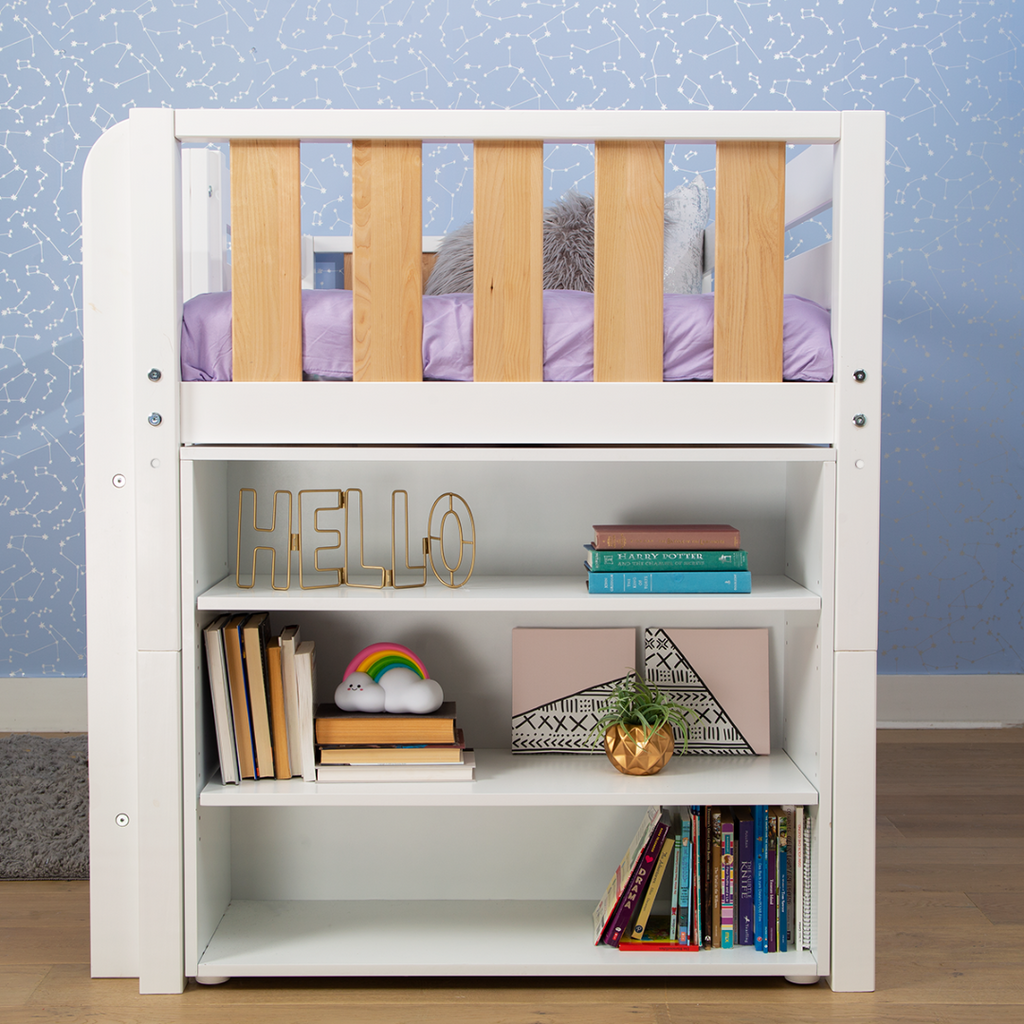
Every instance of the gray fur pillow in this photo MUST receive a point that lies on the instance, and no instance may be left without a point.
(569, 245)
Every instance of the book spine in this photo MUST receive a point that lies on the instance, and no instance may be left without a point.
(290, 638)
(771, 934)
(783, 885)
(791, 862)
(674, 915)
(696, 918)
(745, 899)
(715, 878)
(254, 654)
(760, 887)
(239, 698)
(665, 539)
(806, 907)
(651, 890)
(618, 926)
(220, 696)
(666, 561)
(707, 865)
(728, 883)
(669, 582)
(683, 891)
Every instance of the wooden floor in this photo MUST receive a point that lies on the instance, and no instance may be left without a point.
(950, 933)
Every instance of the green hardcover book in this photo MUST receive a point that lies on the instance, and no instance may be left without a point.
(665, 561)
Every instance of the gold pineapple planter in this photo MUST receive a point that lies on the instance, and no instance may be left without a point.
(632, 754)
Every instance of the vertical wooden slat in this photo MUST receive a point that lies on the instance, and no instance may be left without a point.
(629, 228)
(266, 260)
(429, 259)
(387, 260)
(508, 310)
(750, 200)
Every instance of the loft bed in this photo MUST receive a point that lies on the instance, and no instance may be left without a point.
(754, 190)
(157, 511)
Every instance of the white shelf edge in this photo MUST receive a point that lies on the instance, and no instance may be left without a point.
(545, 780)
(505, 593)
(366, 938)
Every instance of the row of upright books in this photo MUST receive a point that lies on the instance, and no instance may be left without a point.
(263, 689)
(356, 746)
(269, 725)
(689, 558)
(712, 878)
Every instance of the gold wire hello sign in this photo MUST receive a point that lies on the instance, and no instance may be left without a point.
(451, 512)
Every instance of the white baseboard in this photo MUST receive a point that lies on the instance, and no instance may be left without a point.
(43, 705)
(950, 702)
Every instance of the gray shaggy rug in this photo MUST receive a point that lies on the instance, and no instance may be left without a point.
(44, 807)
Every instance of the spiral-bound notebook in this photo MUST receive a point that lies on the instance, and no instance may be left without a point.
(805, 879)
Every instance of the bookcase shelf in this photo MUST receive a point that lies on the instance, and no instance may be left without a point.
(504, 779)
(367, 938)
(505, 593)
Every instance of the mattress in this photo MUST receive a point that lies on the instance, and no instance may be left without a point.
(448, 337)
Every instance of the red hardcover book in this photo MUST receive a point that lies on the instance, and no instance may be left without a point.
(678, 537)
(648, 946)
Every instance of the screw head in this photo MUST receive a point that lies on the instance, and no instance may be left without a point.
(859, 376)
(121, 820)
(154, 374)
(155, 419)
(859, 420)
(118, 480)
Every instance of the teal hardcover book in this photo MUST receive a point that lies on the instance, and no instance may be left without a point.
(664, 561)
(668, 582)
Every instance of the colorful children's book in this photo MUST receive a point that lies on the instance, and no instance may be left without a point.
(744, 841)
(629, 902)
(728, 879)
(782, 884)
(771, 927)
(685, 931)
(610, 899)
(715, 877)
(639, 926)
(674, 916)
(760, 875)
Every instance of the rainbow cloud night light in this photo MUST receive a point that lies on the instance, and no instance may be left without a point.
(388, 677)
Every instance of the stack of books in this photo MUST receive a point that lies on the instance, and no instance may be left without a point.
(712, 878)
(263, 690)
(689, 558)
(358, 746)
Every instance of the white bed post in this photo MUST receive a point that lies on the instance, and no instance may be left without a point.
(156, 301)
(110, 557)
(856, 314)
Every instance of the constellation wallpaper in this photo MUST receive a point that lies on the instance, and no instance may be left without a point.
(946, 71)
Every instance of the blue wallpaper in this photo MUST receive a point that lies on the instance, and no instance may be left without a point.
(947, 71)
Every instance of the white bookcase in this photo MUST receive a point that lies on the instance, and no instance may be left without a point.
(500, 875)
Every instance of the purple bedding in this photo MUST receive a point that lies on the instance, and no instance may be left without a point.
(448, 337)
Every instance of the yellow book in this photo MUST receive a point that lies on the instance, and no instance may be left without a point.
(640, 924)
(278, 722)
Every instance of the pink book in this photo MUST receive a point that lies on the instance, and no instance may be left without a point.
(678, 537)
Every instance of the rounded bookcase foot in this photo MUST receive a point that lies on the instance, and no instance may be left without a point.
(802, 979)
(212, 979)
